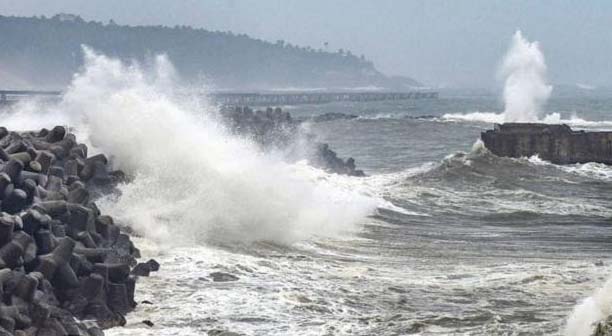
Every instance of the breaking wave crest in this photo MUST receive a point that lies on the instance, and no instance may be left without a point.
(552, 118)
(192, 179)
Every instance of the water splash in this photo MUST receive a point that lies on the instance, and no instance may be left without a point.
(193, 180)
(589, 312)
(524, 73)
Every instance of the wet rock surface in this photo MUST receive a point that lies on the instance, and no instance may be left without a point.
(274, 127)
(604, 328)
(558, 144)
(65, 269)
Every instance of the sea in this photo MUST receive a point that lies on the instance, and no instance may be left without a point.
(440, 238)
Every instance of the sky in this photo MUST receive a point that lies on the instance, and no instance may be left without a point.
(445, 43)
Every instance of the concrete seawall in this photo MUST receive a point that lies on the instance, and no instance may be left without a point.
(555, 143)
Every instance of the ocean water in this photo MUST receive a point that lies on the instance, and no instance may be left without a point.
(463, 243)
(441, 237)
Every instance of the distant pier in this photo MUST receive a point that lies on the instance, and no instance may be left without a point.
(299, 98)
(9, 96)
(262, 99)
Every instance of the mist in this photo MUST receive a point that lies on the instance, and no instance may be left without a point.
(439, 43)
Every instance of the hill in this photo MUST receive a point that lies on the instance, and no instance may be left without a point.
(45, 52)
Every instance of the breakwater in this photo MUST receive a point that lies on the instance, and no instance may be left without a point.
(65, 268)
(276, 128)
(555, 143)
(298, 98)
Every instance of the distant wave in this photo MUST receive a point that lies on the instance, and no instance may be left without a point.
(487, 117)
(592, 170)
(553, 118)
(378, 116)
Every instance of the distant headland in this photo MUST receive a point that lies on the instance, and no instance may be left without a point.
(47, 51)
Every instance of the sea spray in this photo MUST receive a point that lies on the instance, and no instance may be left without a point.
(525, 87)
(591, 311)
(192, 179)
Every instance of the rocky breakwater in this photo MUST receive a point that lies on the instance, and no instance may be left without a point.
(555, 143)
(65, 268)
(274, 127)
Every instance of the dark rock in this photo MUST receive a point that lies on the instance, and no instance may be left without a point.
(223, 277)
(116, 272)
(218, 332)
(13, 168)
(56, 134)
(148, 323)
(153, 265)
(61, 262)
(15, 201)
(333, 116)
(141, 269)
(7, 224)
(117, 297)
(11, 254)
(4, 155)
(44, 159)
(274, 128)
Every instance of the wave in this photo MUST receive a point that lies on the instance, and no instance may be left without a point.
(553, 118)
(193, 180)
(590, 311)
(480, 183)
(486, 117)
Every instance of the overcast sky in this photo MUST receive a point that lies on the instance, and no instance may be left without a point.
(439, 42)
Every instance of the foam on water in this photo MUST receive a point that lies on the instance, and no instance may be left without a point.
(589, 312)
(192, 178)
(552, 118)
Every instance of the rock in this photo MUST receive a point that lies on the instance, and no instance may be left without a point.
(333, 116)
(223, 277)
(274, 128)
(55, 249)
(153, 265)
(604, 328)
(218, 332)
(44, 159)
(56, 134)
(148, 323)
(116, 272)
(141, 269)
(117, 297)
(13, 168)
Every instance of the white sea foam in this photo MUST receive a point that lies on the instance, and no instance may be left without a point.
(552, 118)
(484, 117)
(589, 312)
(192, 178)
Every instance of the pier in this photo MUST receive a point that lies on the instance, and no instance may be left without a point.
(262, 98)
(8, 96)
(299, 98)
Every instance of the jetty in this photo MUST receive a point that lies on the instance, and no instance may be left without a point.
(262, 98)
(558, 144)
(299, 98)
(9, 96)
